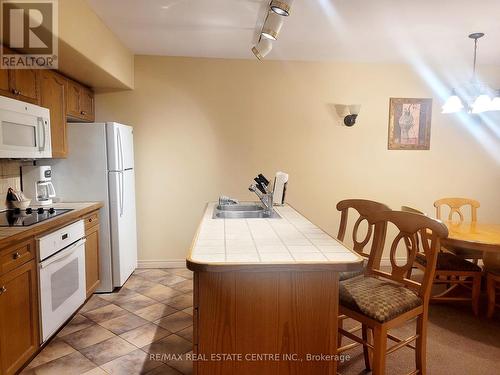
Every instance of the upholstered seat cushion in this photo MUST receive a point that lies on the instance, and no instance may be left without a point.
(349, 275)
(493, 271)
(378, 299)
(450, 262)
(465, 253)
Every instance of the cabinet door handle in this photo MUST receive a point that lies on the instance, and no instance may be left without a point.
(16, 92)
(83, 113)
(16, 255)
(3, 289)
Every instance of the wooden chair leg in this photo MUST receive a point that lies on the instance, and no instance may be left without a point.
(339, 335)
(379, 349)
(476, 293)
(366, 351)
(490, 288)
(420, 345)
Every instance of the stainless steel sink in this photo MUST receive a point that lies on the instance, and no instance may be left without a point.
(241, 207)
(243, 211)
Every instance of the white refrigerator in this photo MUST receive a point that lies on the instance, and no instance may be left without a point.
(100, 167)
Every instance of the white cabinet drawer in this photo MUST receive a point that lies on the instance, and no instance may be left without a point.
(58, 240)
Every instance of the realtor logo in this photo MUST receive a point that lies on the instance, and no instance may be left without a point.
(29, 34)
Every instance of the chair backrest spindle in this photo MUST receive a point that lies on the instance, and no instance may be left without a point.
(365, 209)
(409, 227)
(455, 205)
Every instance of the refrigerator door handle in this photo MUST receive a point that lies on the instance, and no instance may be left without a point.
(120, 148)
(122, 188)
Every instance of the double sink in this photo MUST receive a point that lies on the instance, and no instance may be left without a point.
(247, 210)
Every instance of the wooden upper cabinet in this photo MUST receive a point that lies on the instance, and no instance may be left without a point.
(53, 96)
(87, 104)
(80, 102)
(73, 99)
(21, 84)
(24, 84)
(19, 321)
(4, 82)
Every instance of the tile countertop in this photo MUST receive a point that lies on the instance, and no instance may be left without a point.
(292, 242)
(8, 235)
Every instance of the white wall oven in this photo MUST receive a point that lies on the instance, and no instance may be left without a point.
(24, 130)
(62, 276)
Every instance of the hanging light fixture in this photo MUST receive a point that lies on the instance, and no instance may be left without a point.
(272, 26)
(262, 48)
(453, 104)
(281, 7)
(495, 103)
(474, 96)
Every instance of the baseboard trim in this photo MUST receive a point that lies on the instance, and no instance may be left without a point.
(180, 263)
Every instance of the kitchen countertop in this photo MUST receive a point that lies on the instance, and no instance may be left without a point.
(9, 235)
(292, 242)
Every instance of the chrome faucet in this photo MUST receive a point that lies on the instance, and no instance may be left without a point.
(266, 199)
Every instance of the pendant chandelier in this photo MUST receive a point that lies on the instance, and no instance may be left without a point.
(474, 97)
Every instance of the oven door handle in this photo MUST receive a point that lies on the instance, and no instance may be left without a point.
(64, 254)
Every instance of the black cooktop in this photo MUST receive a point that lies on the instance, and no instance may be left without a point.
(30, 216)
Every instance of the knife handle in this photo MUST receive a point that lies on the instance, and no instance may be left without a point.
(263, 179)
(259, 185)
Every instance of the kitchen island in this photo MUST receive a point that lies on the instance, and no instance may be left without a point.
(266, 295)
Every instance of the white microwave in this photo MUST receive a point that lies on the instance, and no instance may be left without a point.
(24, 130)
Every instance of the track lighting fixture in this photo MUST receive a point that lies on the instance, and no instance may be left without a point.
(272, 26)
(262, 48)
(281, 7)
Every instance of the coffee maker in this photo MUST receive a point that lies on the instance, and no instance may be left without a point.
(37, 184)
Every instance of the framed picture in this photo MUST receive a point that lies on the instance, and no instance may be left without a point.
(410, 124)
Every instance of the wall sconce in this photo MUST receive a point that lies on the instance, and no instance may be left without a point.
(349, 112)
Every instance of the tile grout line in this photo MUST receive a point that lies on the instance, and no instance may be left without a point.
(298, 230)
(279, 237)
(253, 240)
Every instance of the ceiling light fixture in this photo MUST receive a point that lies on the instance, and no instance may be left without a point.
(476, 95)
(262, 48)
(281, 7)
(272, 26)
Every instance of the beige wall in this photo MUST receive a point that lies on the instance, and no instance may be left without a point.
(89, 51)
(206, 126)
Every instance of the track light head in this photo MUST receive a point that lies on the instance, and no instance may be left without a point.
(281, 7)
(272, 26)
(262, 48)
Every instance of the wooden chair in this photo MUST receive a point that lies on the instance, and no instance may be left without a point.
(385, 300)
(452, 271)
(364, 209)
(455, 206)
(493, 288)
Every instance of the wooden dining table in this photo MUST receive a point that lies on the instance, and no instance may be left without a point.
(476, 236)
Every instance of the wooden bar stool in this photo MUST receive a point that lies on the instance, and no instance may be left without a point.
(364, 209)
(453, 271)
(493, 288)
(385, 300)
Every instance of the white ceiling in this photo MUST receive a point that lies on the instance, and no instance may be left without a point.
(321, 30)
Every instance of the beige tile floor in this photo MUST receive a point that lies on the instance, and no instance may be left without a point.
(116, 333)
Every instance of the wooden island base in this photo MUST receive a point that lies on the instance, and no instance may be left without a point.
(240, 317)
